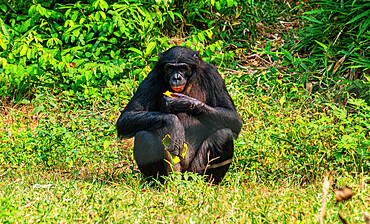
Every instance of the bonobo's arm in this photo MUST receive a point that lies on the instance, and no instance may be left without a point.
(142, 113)
(220, 117)
(214, 117)
(131, 122)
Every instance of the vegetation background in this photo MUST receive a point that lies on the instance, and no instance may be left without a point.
(298, 71)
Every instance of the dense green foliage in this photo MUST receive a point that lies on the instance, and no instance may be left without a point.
(76, 47)
(298, 71)
(335, 44)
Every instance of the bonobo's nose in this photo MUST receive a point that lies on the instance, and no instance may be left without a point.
(177, 77)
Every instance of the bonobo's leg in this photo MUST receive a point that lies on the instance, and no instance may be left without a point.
(149, 154)
(214, 155)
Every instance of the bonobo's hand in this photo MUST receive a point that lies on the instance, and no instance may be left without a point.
(181, 103)
(176, 131)
(176, 146)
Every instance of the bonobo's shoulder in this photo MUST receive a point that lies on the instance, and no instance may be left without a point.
(210, 70)
(209, 66)
(153, 79)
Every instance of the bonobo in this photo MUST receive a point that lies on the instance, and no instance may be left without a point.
(199, 116)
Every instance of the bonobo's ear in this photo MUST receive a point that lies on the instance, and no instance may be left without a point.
(196, 55)
(160, 55)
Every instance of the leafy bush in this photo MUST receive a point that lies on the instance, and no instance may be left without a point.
(334, 42)
(76, 46)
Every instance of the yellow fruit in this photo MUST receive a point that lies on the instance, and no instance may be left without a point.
(169, 94)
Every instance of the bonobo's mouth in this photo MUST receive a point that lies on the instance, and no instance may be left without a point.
(178, 88)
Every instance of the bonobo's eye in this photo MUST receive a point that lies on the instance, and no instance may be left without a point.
(183, 70)
(168, 69)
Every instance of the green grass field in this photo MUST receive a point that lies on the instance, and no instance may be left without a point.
(82, 173)
(59, 197)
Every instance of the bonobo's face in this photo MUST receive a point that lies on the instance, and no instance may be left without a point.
(177, 75)
(179, 64)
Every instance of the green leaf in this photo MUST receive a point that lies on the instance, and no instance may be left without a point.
(96, 3)
(322, 45)
(53, 104)
(312, 19)
(150, 48)
(29, 51)
(3, 45)
(102, 14)
(218, 5)
(106, 144)
(112, 54)
(135, 50)
(201, 37)
(104, 5)
(230, 3)
(313, 11)
(340, 113)
(166, 141)
(357, 102)
(5, 31)
(3, 7)
(171, 15)
(24, 50)
(287, 54)
(367, 78)
(38, 109)
(31, 10)
(209, 33)
(113, 40)
(282, 100)
(359, 16)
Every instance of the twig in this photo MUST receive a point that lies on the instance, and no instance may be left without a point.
(217, 165)
(325, 188)
(209, 161)
(267, 62)
(337, 36)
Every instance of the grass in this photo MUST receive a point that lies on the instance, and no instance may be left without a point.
(60, 160)
(59, 198)
(64, 164)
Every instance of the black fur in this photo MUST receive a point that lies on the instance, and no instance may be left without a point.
(203, 115)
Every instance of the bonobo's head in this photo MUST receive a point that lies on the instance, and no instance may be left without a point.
(178, 64)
